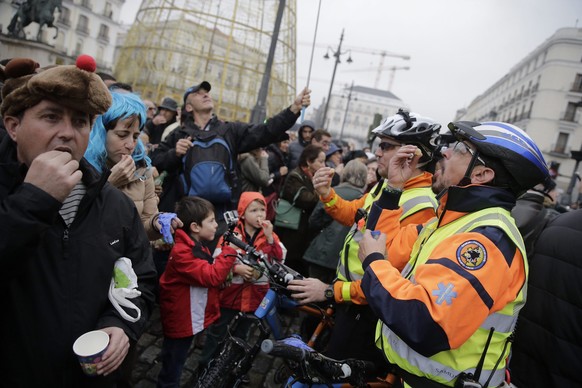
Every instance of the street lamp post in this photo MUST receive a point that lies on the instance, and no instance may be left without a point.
(346, 112)
(259, 112)
(577, 156)
(337, 54)
(567, 198)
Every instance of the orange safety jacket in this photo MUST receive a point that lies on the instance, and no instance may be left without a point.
(419, 205)
(439, 293)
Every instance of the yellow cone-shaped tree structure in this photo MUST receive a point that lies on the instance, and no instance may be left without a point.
(175, 44)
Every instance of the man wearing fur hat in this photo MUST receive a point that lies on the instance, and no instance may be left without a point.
(62, 229)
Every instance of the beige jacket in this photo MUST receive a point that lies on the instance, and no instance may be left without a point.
(141, 191)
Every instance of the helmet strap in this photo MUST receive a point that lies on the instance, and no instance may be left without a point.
(467, 178)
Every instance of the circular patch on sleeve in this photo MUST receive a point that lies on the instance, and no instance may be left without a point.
(471, 255)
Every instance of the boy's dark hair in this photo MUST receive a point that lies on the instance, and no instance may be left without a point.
(193, 209)
(318, 134)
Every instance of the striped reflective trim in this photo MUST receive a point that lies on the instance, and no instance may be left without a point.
(198, 302)
(434, 368)
(414, 204)
(331, 202)
(346, 296)
(500, 322)
(498, 217)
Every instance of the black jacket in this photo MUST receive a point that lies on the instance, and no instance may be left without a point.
(548, 344)
(241, 137)
(277, 159)
(56, 279)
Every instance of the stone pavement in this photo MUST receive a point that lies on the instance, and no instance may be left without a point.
(149, 346)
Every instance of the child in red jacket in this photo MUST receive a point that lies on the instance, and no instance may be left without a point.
(248, 286)
(190, 285)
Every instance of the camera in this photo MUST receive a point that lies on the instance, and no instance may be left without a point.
(231, 218)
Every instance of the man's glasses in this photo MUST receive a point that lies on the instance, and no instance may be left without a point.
(385, 146)
(463, 149)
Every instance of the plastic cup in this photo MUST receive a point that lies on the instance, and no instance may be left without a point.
(89, 348)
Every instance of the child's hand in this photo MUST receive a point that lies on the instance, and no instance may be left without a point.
(238, 236)
(244, 271)
(267, 230)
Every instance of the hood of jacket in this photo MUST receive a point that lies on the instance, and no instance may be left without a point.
(245, 200)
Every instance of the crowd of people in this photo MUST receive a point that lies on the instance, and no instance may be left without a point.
(442, 250)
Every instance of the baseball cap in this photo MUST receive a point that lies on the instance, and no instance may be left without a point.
(193, 89)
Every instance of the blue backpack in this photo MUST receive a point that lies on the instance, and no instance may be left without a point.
(208, 170)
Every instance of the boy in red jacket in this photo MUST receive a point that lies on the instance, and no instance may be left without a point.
(248, 286)
(190, 285)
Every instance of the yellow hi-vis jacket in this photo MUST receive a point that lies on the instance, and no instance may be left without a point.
(418, 204)
(437, 314)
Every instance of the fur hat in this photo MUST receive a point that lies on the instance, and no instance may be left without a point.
(75, 86)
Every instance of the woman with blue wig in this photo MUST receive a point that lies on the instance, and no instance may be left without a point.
(115, 146)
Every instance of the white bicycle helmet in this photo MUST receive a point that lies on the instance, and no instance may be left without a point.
(411, 128)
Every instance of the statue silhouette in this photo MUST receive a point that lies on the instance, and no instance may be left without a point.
(38, 11)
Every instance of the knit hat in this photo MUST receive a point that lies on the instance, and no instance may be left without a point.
(74, 86)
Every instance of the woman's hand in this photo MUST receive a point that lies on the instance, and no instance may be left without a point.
(122, 172)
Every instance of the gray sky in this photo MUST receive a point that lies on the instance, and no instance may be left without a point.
(458, 48)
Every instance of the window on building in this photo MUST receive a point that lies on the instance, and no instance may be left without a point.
(577, 86)
(65, 16)
(561, 143)
(78, 47)
(108, 12)
(104, 33)
(83, 24)
(86, 4)
(570, 114)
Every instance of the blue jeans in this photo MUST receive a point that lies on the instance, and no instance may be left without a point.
(174, 354)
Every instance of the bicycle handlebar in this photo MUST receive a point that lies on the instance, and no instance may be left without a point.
(278, 272)
(313, 365)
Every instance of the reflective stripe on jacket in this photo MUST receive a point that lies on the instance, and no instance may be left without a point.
(463, 280)
(418, 204)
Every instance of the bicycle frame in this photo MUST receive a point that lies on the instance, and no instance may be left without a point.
(273, 301)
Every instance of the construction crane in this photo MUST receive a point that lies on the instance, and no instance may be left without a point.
(392, 70)
(382, 53)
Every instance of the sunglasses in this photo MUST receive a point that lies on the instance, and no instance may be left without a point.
(385, 146)
(463, 149)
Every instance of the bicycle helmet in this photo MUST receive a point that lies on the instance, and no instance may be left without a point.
(509, 145)
(411, 128)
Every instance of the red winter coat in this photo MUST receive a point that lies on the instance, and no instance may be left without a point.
(242, 295)
(189, 287)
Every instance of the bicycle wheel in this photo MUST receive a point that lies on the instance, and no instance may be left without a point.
(220, 370)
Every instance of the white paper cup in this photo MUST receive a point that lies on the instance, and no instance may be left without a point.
(89, 348)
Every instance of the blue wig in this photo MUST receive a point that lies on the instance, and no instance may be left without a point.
(124, 105)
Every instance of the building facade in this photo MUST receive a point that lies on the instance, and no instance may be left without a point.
(541, 94)
(351, 111)
(82, 27)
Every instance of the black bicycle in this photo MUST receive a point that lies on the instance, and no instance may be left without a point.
(310, 368)
(235, 356)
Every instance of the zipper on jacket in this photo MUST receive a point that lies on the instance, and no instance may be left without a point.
(66, 243)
